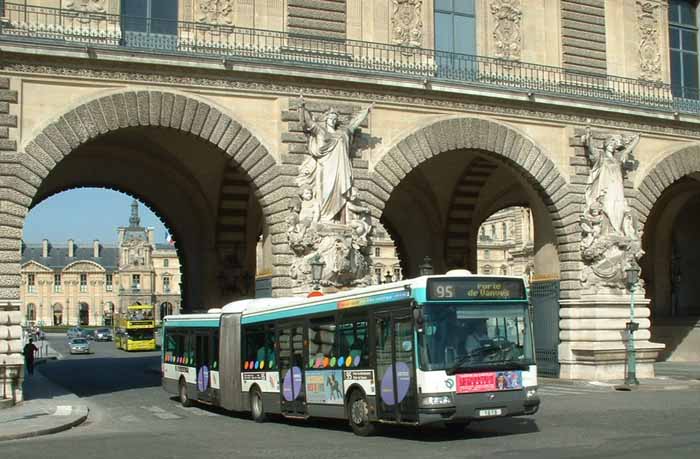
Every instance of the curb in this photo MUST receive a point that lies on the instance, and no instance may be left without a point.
(84, 412)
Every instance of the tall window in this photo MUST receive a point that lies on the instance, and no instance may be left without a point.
(31, 283)
(377, 252)
(683, 39)
(150, 23)
(455, 32)
(31, 312)
(136, 281)
(83, 282)
(166, 263)
(57, 283)
(108, 282)
(166, 284)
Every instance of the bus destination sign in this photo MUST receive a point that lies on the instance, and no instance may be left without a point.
(476, 289)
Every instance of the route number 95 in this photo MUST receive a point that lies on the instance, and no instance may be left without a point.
(444, 291)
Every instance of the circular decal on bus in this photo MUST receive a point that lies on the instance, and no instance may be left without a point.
(403, 382)
(291, 386)
(203, 378)
(341, 361)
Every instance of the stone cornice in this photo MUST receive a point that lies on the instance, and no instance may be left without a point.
(582, 114)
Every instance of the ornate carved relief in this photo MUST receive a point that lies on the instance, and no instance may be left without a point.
(611, 237)
(506, 34)
(407, 22)
(85, 8)
(215, 12)
(649, 55)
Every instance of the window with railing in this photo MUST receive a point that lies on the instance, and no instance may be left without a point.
(150, 23)
(31, 283)
(455, 34)
(109, 283)
(683, 42)
(57, 287)
(83, 283)
(166, 284)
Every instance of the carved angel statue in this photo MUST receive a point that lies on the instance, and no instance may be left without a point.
(605, 182)
(330, 173)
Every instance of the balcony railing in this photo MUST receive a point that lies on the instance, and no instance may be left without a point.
(238, 45)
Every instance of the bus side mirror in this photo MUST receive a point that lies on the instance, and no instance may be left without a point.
(418, 318)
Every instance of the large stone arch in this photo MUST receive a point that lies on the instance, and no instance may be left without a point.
(113, 111)
(502, 143)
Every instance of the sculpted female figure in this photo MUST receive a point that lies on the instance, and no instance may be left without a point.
(605, 183)
(329, 145)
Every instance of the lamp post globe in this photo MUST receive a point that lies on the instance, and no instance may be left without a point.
(317, 271)
(426, 268)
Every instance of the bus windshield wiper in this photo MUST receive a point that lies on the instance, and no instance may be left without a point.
(470, 355)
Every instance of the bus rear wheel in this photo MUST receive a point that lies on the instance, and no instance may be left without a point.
(257, 408)
(184, 399)
(358, 413)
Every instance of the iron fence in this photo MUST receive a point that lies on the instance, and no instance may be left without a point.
(238, 44)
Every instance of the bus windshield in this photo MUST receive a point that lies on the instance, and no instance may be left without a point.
(472, 337)
(140, 335)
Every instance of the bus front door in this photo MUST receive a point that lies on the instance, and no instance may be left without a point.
(291, 365)
(395, 372)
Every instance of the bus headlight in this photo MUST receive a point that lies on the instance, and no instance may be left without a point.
(530, 392)
(434, 400)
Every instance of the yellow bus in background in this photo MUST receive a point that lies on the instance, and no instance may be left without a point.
(135, 329)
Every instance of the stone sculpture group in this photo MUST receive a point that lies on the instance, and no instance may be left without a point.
(328, 221)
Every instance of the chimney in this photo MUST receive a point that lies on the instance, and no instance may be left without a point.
(45, 248)
(96, 248)
(71, 248)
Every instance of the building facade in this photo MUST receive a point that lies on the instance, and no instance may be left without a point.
(583, 111)
(86, 286)
(506, 244)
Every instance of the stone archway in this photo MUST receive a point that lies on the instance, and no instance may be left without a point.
(668, 204)
(503, 144)
(114, 112)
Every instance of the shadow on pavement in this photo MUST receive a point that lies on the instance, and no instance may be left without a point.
(478, 429)
(101, 375)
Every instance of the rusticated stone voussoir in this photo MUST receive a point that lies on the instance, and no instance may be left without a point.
(676, 165)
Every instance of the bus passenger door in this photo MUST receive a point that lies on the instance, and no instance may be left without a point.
(291, 364)
(203, 366)
(395, 372)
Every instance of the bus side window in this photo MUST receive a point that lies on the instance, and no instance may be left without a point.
(322, 344)
(353, 343)
(255, 351)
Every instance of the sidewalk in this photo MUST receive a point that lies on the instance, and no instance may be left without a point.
(48, 408)
(669, 376)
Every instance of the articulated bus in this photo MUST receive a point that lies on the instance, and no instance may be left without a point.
(135, 329)
(442, 349)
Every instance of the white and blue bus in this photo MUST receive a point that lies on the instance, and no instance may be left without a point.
(444, 349)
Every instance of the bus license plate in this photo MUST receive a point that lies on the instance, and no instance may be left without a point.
(490, 412)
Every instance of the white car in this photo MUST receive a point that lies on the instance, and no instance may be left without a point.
(79, 346)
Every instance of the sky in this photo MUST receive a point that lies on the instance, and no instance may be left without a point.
(85, 215)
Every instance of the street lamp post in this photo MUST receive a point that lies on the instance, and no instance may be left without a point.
(388, 277)
(632, 272)
(426, 268)
(317, 271)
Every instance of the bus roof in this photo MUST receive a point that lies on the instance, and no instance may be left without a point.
(249, 308)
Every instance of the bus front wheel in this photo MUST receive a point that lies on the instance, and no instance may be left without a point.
(184, 399)
(256, 406)
(358, 412)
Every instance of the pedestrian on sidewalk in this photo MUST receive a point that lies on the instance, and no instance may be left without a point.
(29, 350)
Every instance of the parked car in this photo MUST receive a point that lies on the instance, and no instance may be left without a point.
(103, 334)
(75, 332)
(79, 346)
(89, 334)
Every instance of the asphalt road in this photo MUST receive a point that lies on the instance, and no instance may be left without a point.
(132, 417)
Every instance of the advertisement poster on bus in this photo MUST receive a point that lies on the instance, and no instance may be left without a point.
(488, 382)
(324, 386)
